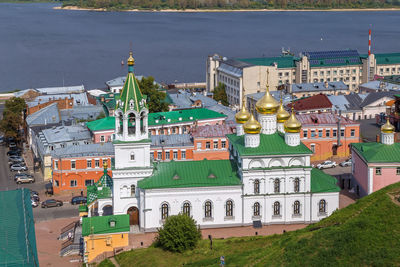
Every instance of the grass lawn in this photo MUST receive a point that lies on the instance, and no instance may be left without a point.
(366, 233)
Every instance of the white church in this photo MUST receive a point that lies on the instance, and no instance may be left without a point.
(267, 180)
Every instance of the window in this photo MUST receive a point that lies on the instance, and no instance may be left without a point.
(186, 208)
(352, 132)
(305, 133)
(229, 208)
(322, 206)
(223, 144)
(51, 147)
(315, 73)
(277, 185)
(312, 148)
(256, 186)
(296, 208)
(62, 145)
(215, 144)
(152, 155)
(320, 133)
(398, 171)
(133, 190)
(207, 209)
(334, 133)
(167, 155)
(89, 182)
(321, 73)
(334, 72)
(89, 163)
(342, 132)
(102, 139)
(173, 130)
(328, 133)
(312, 133)
(296, 185)
(256, 209)
(72, 183)
(328, 72)
(175, 154)
(132, 156)
(97, 163)
(183, 154)
(159, 155)
(164, 211)
(378, 171)
(73, 165)
(208, 145)
(56, 164)
(277, 208)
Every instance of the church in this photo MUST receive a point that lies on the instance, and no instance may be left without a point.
(268, 178)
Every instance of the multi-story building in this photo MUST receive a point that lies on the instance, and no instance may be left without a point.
(171, 147)
(309, 89)
(314, 104)
(328, 135)
(251, 74)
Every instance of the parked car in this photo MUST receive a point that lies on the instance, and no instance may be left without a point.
(12, 145)
(346, 163)
(15, 159)
(51, 203)
(16, 152)
(25, 180)
(18, 167)
(78, 200)
(22, 174)
(34, 203)
(326, 164)
(34, 193)
(36, 198)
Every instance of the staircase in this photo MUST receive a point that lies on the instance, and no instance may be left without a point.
(70, 228)
(73, 246)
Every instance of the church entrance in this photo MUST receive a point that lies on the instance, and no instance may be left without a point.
(133, 216)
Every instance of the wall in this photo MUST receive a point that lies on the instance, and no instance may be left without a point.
(211, 153)
(360, 173)
(97, 244)
(162, 151)
(107, 136)
(61, 103)
(388, 176)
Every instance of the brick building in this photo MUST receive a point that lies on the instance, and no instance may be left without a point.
(313, 104)
(171, 147)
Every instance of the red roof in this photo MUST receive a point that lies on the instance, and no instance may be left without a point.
(319, 101)
(322, 118)
(212, 130)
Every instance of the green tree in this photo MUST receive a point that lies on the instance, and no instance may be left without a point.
(155, 97)
(220, 94)
(12, 117)
(15, 105)
(178, 234)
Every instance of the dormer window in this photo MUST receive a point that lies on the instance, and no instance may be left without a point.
(131, 105)
(112, 223)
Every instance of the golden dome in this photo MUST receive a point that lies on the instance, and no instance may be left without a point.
(267, 104)
(243, 115)
(131, 60)
(387, 127)
(282, 115)
(252, 126)
(292, 125)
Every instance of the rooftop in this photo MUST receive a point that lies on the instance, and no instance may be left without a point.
(273, 144)
(181, 174)
(333, 58)
(387, 58)
(322, 119)
(380, 85)
(46, 115)
(319, 101)
(282, 61)
(101, 224)
(80, 99)
(66, 133)
(81, 113)
(101, 189)
(316, 87)
(207, 131)
(374, 96)
(89, 150)
(378, 152)
(171, 140)
(322, 182)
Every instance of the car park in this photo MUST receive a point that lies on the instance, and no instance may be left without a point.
(326, 164)
(346, 163)
(18, 167)
(78, 200)
(25, 179)
(51, 203)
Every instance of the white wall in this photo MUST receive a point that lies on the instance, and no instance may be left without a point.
(123, 155)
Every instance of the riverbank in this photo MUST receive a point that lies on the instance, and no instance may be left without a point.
(228, 10)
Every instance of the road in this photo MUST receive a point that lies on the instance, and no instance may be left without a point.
(7, 183)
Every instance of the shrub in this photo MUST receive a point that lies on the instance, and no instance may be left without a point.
(178, 234)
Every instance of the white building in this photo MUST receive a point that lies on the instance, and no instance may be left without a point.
(267, 180)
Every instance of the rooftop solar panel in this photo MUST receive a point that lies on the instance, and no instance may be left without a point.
(331, 54)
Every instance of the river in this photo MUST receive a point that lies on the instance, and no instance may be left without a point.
(42, 47)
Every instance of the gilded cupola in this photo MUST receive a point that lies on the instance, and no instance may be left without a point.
(243, 115)
(267, 104)
(282, 115)
(387, 127)
(252, 126)
(131, 60)
(292, 125)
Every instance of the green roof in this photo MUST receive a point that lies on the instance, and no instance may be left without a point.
(131, 97)
(273, 144)
(161, 118)
(101, 189)
(101, 224)
(322, 182)
(17, 229)
(83, 208)
(387, 58)
(282, 61)
(378, 152)
(181, 174)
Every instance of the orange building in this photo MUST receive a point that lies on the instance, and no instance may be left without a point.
(210, 142)
(171, 147)
(76, 167)
(322, 132)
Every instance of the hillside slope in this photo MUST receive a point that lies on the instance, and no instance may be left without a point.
(366, 233)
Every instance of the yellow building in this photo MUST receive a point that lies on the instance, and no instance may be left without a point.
(104, 234)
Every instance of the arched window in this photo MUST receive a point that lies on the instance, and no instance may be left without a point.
(296, 207)
(131, 123)
(229, 208)
(277, 208)
(186, 208)
(256, 209)
(277, 185)
(296, 185)
(256, 186)
(142, 119)
(208, 209)
(133, 190)
(322, 206)
(121, 119)
(164, 211)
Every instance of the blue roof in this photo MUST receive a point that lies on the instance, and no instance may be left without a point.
(99, 149)
(171, 140)
(46, 115)
(80, 99)
(320, 86)
(331, 54)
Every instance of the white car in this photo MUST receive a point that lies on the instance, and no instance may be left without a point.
(345, 163)
(326, 164)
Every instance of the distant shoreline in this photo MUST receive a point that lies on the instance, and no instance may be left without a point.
(224, 10)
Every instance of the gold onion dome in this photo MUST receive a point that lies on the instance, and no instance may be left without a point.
(252, 126)
(131, 60)
(267, 104)
(292, 125)
(243, 115)
(387, 127)
(282, 115)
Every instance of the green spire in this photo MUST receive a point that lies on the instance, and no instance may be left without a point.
(131, 97)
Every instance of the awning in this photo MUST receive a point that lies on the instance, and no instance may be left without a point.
(390, 102)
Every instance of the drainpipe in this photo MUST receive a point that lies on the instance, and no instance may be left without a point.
(339, 132)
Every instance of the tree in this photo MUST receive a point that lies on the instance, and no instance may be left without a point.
(220, 94)
(15, 105)
(178, 234)
(155, 97)
(12, 117)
